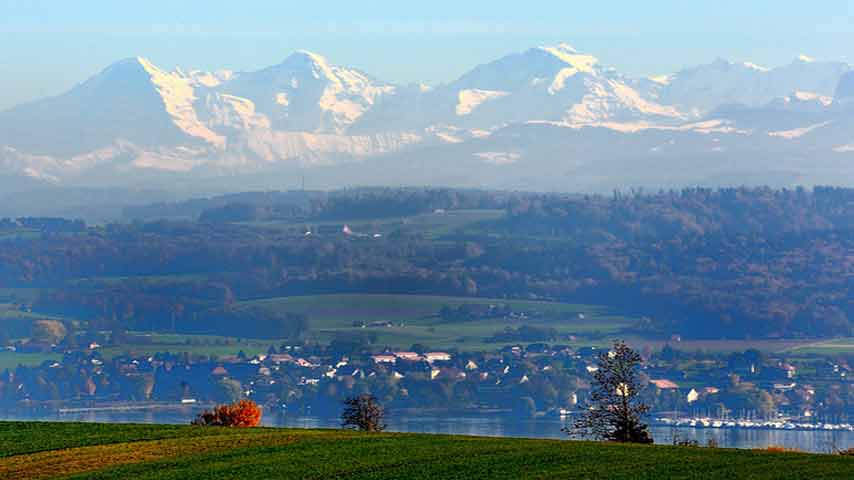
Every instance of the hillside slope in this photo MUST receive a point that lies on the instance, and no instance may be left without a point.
(97, 451)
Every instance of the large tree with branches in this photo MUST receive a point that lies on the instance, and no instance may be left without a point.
(615, 411)
(364, 413)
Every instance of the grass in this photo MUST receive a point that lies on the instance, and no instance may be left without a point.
(11, 311)
(333, 315)
(836, 346)
(20, 234)
(723, 346)
(162, 343)
(11, 360)
(18, 294)
(97, 451)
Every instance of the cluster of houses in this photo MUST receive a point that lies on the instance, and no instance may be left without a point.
(555, 378)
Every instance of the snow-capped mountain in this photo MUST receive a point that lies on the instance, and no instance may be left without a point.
(556, 84)
(544, 84)
(721, 82)
(513, 122)
(131, 100)
(307, 94)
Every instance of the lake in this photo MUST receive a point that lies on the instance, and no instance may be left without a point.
(494, 426)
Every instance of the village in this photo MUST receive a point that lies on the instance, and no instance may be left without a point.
(538, 379)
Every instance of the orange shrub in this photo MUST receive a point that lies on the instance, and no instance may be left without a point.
(779, 449)
(244, 413)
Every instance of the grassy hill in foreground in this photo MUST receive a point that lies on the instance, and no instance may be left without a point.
(100, 451)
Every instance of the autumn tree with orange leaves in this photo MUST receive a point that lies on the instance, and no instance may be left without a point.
(244, 413)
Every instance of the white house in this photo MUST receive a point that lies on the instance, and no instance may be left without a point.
(693, 396)
(437, 357)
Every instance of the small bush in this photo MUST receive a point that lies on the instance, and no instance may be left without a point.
(244, 413)
(685, 442)
(712, 443)
(779, 449)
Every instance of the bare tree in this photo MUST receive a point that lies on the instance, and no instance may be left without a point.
(615, 411)
(364, 413)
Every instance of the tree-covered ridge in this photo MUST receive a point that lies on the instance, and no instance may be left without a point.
(730, 263)
(684, 213)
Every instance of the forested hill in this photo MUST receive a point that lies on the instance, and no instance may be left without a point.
(359, 203)
(681, 214)
(730, 263)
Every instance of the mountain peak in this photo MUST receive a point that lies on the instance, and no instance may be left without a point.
(149, 66)
(753, 66)
(562, 46)
(127, 63)
(305, 57)
(569, 55)
(133, 66)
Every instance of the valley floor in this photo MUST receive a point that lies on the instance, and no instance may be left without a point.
(100, 451)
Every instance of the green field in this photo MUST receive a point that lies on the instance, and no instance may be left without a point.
(11, 360)
(96, 451)
(11, 311)
(415, 318)
(20, 234)
(722, 346)
(18, 294)
(837, 346)
(205, 345)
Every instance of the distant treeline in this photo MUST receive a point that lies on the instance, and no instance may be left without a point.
(684, 213)
(360, 203)
(728, 263)
(194, 208)
(45, 224)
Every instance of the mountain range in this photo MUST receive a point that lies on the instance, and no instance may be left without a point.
(549, 118)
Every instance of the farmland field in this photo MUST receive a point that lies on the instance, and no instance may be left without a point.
(415, 320)
(206, 345)
(97, 451)
(836, 346)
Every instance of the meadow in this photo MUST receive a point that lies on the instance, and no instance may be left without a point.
(836, 346)
(31, 451)
(415, 319)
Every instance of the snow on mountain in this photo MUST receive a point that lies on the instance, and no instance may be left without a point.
(549, 83)
(798, 132)
(178, 95)
(306, 93)
(469, 99)
(125, 101)
(137, 120)
(721, 82)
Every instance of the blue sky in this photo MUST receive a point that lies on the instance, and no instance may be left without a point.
(48, 46)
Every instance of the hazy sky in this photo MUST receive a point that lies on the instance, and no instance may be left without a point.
(48, 46)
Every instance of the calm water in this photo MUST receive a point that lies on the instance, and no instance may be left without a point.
(495, 426)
